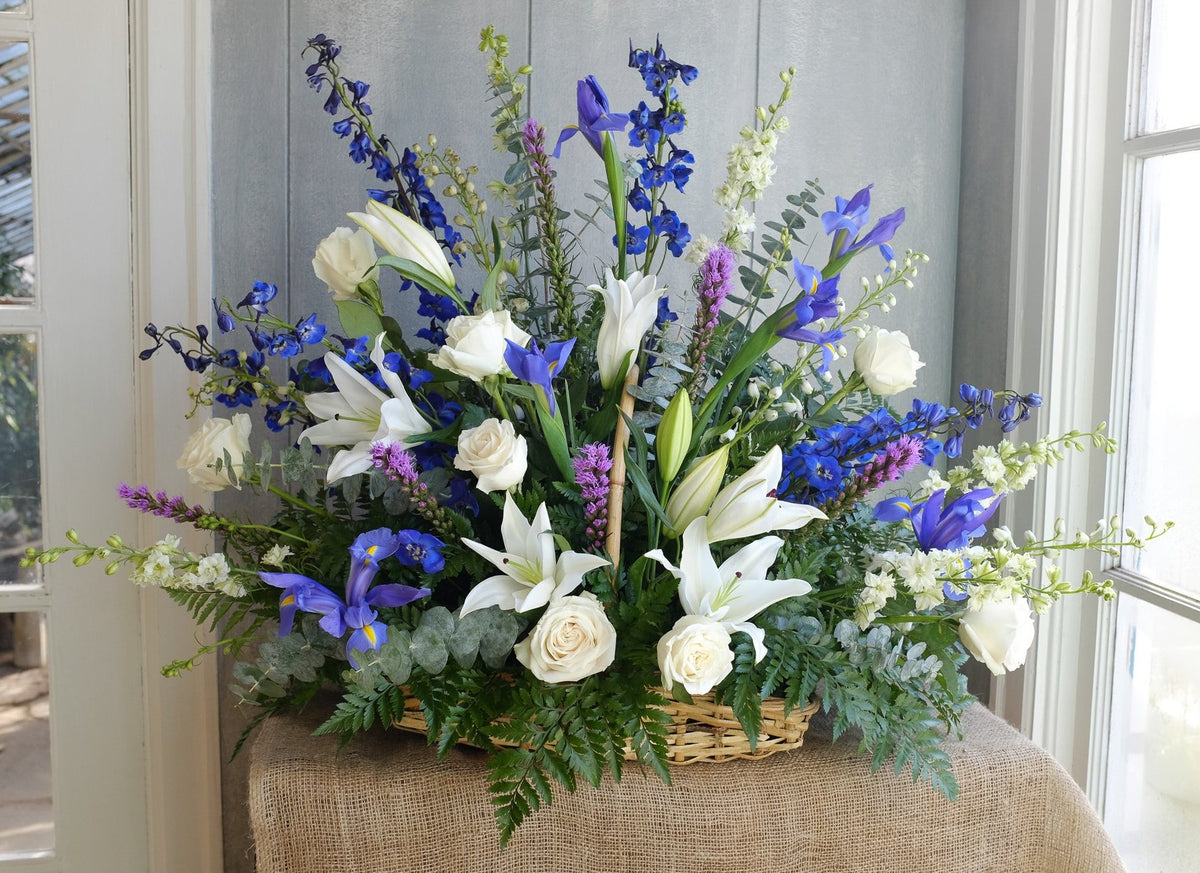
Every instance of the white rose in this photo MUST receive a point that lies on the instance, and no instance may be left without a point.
(475, 344)
(494, 453)
(572, 640)
(345, 258)
(696, 654)
(208, 445)
(999, 633)
(887, 362)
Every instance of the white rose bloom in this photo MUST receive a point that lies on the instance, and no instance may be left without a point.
(494, 453)
(208, 445)
(345, 258)
(475, 344)
(999, 633)
(887, 362)
(572, 640)
(630, 307)
(696, 654)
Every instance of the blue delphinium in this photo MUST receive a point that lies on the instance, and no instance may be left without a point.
(408, 192)
(664, 163)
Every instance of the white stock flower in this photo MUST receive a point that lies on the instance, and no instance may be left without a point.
(572, 640)
(747, 506)
(919, 573)
(358, 414)
(998, 633)
(344, 259)
(399, 235)
(276, 555)
(887, 362)
(878, 589)
(209, 444)
(630, 307)
(734, 592)
(696, 654)
(494, 453)
(475, 344)
(529, 575)
(156, 568)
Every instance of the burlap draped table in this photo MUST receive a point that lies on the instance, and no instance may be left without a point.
(385, 805)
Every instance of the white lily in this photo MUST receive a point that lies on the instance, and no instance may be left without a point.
(747, 506)
(734, 592)
(359, 414)
(630, 307)
(399, 235)
(530, 576)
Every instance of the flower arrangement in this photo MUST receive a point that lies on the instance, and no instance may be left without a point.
(560, 504)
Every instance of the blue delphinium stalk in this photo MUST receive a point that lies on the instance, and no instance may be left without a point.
(410, 194)
(357, 611)
(664, 162)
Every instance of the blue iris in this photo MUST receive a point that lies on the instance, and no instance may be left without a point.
(358, 610)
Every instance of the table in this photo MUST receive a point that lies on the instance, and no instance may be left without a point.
(385, 805)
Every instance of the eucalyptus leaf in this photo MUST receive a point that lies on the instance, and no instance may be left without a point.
(429, 650)
(395, 657)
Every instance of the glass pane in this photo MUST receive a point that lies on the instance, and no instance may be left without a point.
(26, 812)
(20, 467)
(1152, 808)
(13, 5)
(1172, 66)
(16, 181)
(1163, 473)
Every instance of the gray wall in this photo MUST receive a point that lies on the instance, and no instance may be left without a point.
(879, 98)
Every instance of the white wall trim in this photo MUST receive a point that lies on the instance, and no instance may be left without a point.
(1060, 308)
(171, 125)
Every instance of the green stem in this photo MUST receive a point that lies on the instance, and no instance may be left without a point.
(616, 191)
(296, 501)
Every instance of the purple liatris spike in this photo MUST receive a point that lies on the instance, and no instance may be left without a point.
(893, 462)
(716, 281)
(164, 506)
(397, 464)
(400, 466)
(566, 319)
(592, 466)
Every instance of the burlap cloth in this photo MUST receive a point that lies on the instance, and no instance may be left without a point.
(385, 805)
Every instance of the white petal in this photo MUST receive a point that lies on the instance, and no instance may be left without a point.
(514, 529)
(752, 561)
(356, 390)
(328, 404)
(752, 596)
(571, 568)
(494, 591)
(338, 432)
(700, 579)
(756, 634)
(392, 380)
(350, 462)
(399, 419)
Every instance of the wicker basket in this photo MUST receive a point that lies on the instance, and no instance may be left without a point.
(701, 730)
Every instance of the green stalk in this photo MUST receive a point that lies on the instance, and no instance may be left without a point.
(616, 191)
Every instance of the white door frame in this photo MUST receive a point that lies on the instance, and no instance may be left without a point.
(171, 194)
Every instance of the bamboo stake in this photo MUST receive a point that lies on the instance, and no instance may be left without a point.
(616, 481)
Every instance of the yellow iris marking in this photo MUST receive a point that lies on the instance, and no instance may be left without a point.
(288, 600)
(369, 632)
